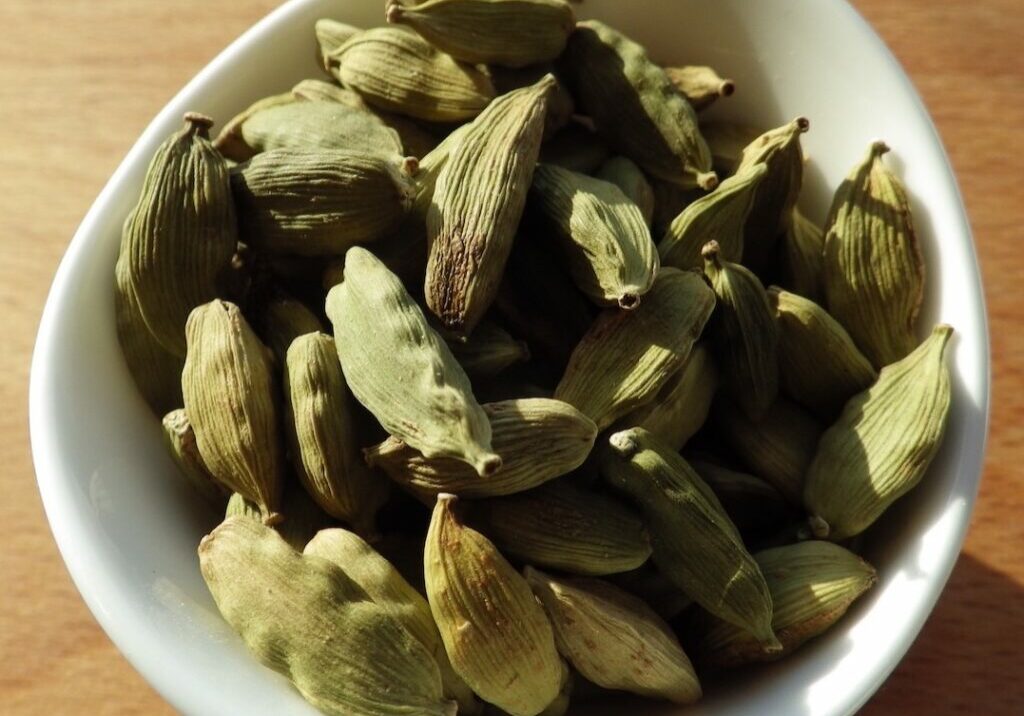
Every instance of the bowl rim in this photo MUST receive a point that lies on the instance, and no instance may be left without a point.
(96, 583)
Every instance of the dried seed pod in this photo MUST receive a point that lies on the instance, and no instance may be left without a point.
(324, 91)
(285, 319)
(627, 356)
(477, 203)
(560, 526)
(743, 334)
(316, 202)
(654, 589)
(625, 174)
(229, 391)
(614, 639)
(514, 33)
(695, 544)
(561, 106)
(682, 405)
(400, 369)
(488, 351)
(700, 84)
(719, 216)
(496, 634)
(634, 105)
(538, 439)
(180, 439)
(801, 250)
(395, 69)
(302, 617)
(181, 234)
(575, 147)
(602, 234)
(330, 36)
(819, 365)
(300, 518)
(321, 427)
(727, 140)
(883, 442)
(873, 269)
(751, 503)
(812, 585)
(778, 447)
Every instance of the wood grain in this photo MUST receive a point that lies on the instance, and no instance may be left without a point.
(79, 80)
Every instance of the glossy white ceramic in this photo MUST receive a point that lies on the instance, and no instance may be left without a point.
(128, 527)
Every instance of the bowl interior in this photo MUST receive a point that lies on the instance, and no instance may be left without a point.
(128, 526)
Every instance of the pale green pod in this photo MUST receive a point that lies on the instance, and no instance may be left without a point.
(727, 140)
(302, 617)
(801, 257)
(634, 105)
(812, 584)
(873, 268)
(626, 357)
(300, 517)
(285, 319)
(324, 91)
(614, 639)
(563, 527)
(514, 33)
(744, 335)
(180, 236)
(682, 405)
(625, 174)
(602, 234)
(323, 434)
(575, 147)
(752, 503)
(488, 351)
(882, 443)
(819, 366)
(695, 544)
(496, 635)
(229, 390)
(561, 106)
(396, 70)
(477, 203)
(700, 84)
(719, 216)
(316, 202)
(397, 366)
(538, 440)
(330, 36)
(180, 439)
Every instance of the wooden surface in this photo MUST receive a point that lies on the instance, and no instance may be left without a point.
(79, 80)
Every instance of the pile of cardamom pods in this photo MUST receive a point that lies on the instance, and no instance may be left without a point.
(512, 378)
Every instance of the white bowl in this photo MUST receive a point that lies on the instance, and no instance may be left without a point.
(128, 526)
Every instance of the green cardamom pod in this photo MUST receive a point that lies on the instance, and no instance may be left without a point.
(560, 526)
(669, 202)
(627, 356)
(727, 140)
(873, 269)
(801, 250)
(304, 618)
(514, 33)
(300, 516)
(654, 589)
(324, 91)
(819, 365)
(634, 105)
(882, 443)
(285, 319)
(812, 584)
(575, 147)
(477, 203)
(229, 391)
(744, 335)
(700, 84)
(752, 504)
(695, 544)
(496, 635)
(561, 105)
(180, 236)
(316, 202)
(720, 216)
(538, 440)
(330, 36)
(397, 366)
(488, 351)
(625, 174)
(180, 439)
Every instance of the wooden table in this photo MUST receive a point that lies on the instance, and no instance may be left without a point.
(79, 80)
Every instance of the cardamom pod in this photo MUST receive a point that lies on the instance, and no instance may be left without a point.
(819, 365)
(727, 140)
(625, 174)
(634, 105)
(304, 618)
(180, 236)
(752, 504)
(229, 391)
(514, 33)
(560, 526)
(488, 351)
(812, 584)
(743, 334)
(180, 439)
(801, 256)
(882, 443)
(873, 269)
(395, 69)
(575, 147)
(285, 319)
(316, 202)
(477, 203)
(324, 91)
(669, 201)
(494, 631)
(627, 356)
(561, 106)
(654, 589)
(614, 639)
(538, 440)
(700, 84)
(300, 517)
(720, 215)
(695, 544)
(397, 366)
(330, 36)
